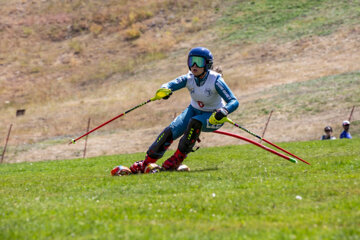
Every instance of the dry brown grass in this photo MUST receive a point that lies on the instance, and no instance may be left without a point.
(64, 75)
(80, 44)
(272, 64)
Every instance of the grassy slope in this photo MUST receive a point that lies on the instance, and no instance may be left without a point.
(232, 192)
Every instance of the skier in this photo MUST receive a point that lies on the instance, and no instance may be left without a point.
(211, 101)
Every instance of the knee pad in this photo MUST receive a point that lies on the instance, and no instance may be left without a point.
(192, 133)
(161, 144)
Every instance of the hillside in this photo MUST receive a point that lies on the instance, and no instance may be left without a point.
(66, 61)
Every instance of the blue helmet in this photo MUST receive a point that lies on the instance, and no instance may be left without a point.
(201, 52)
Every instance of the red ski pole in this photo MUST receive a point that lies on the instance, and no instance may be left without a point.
(272, 144)
(161, 93)
(257, 144)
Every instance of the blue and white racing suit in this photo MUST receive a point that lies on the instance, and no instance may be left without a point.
(207, 95)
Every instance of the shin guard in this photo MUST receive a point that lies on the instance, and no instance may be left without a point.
(191, 135)
(161, 144)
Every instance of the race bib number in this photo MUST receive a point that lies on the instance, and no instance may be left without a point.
(201, 104)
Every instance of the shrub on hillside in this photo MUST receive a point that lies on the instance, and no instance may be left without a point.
(134, 17)
(96, 28)
(132, 33)
(75, 46)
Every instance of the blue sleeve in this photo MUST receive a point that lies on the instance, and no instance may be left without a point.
(176, 84)
(225, 92)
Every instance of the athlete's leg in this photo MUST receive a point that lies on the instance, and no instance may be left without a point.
(190, 136)
(186, 145)
(197, 124)
(180, 123)
(164, 140)
(161, 144)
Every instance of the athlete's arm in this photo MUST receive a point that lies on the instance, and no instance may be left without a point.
(177, 83)
(225, 92)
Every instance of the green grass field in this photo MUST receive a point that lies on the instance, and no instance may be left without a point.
(234, 192)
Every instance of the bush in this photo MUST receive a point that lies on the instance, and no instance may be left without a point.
(132, 33)
(75, 46)
(96, 28)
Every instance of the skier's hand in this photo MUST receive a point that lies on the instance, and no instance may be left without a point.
(168, 96)
(163, 93)
(218, 117)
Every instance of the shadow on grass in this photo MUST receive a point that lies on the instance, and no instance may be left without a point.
(203, 170)
(178, 172)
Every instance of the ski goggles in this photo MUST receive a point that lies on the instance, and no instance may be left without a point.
(199, 61)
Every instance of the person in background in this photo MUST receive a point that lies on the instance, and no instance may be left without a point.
(328, 134)
(345, 133)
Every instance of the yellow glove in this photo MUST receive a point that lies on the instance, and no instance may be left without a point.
(162, 93)
(217, 115)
